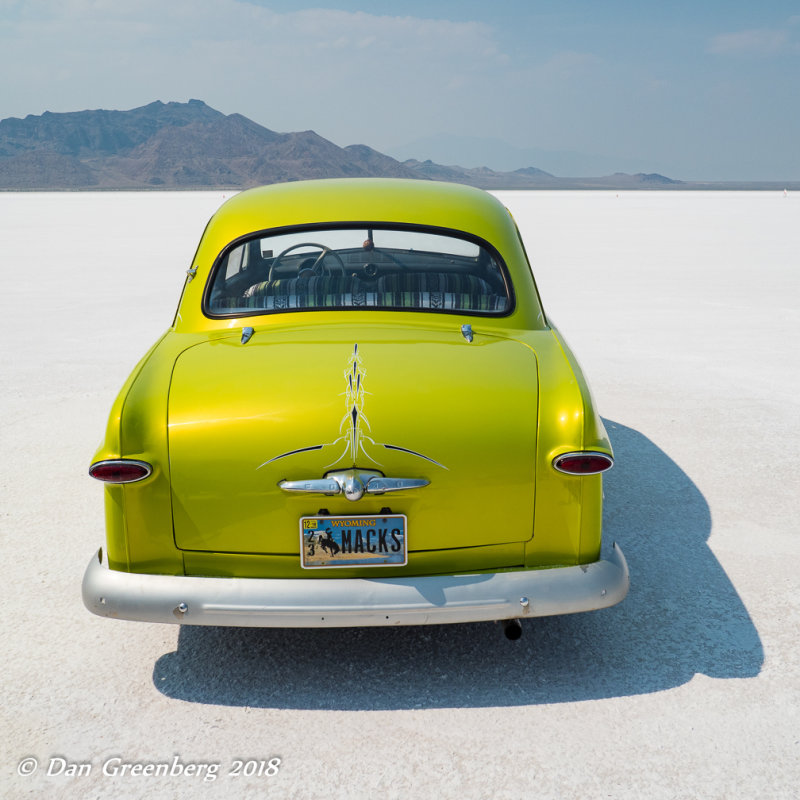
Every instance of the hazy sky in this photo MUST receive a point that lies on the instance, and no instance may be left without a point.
(691, 89)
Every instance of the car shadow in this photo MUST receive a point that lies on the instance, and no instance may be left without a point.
(681, 617)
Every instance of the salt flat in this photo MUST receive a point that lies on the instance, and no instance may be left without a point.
(684, 309)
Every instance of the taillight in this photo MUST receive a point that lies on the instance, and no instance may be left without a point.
(586, 463)
(120, 470)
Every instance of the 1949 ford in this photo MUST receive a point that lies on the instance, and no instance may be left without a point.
(360, 416)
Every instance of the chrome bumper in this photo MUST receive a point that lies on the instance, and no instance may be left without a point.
(346, 602)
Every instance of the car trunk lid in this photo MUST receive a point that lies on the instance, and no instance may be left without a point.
(294, 405)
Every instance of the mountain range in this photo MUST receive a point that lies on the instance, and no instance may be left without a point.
(193, 146)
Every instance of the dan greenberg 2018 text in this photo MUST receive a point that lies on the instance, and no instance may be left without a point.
(117, 767)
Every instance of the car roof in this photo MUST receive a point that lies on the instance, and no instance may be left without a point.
(388, 200)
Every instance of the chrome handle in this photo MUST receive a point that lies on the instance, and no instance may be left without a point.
(381, 485)
(313, 486)
(353, 483)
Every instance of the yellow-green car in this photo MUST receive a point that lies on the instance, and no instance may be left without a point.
(360, 416)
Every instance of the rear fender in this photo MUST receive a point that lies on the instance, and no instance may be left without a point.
(568, 508)
(139, 535)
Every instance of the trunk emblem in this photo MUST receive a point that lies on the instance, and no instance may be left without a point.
(353, 483)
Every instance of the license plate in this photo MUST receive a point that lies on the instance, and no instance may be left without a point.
(359, 541)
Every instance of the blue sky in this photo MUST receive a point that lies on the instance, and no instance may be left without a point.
(694, 90)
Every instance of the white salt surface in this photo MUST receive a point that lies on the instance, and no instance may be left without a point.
(684, 309)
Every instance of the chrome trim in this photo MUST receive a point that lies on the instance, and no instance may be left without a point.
(191, 273)
(581, 453)
(466, 332)
(349, 602)
(313, 486)
(121, 461)
(381, 485)
(246, 334)
(353, 483)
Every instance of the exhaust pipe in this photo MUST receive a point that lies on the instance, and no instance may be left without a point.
(512, 628)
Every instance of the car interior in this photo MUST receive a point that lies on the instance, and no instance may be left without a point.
(351, 268)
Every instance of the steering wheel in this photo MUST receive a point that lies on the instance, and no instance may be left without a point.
(316, 267)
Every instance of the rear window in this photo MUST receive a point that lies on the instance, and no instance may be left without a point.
(358, 268)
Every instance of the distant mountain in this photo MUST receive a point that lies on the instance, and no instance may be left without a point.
(500, 155)
(532, 178)
(172, 145)
(190, 145)
(483, 177)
